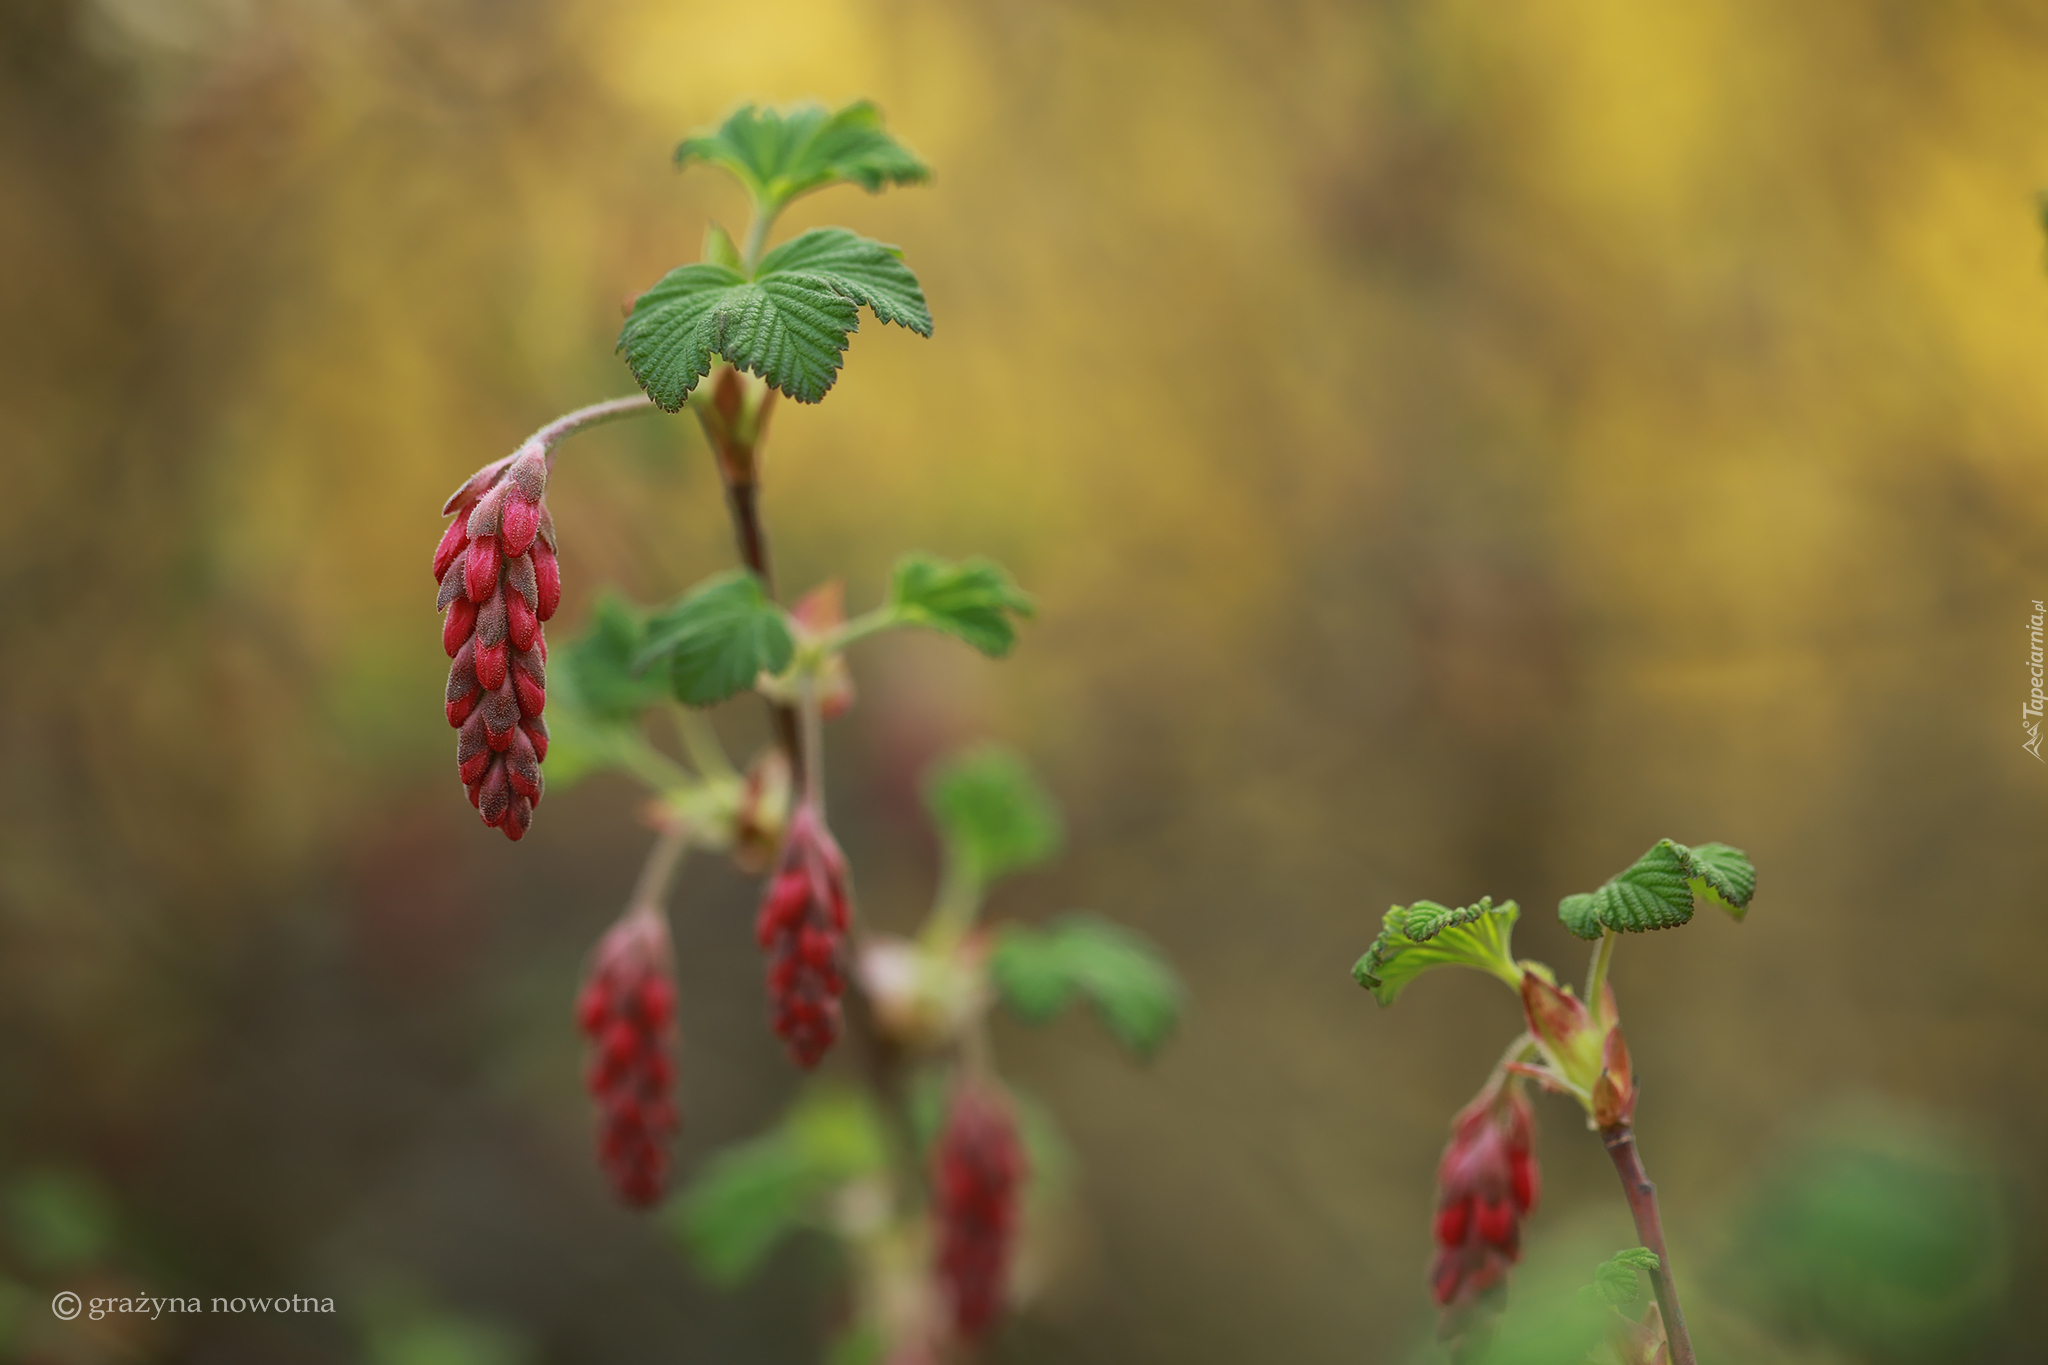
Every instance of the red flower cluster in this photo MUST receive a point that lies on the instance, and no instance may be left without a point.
(499, 580)
(1486, 1184)
(627, 1010)
(981, 1171)
(802, 925)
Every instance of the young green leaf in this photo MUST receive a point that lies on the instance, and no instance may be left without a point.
(718, 638)
(1040, 971)
(1657, 890)
(1724, 876)
(751, 1195)
(1415, 938)
(1615, 1280)
(992, 813)
(600, 663)
(779, 155)
(788, 323)
(973, 599)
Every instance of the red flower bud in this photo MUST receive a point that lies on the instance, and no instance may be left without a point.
(1486, 1184)
(802, 925)
(627, 1010)
(981, 1169)
(499, 581)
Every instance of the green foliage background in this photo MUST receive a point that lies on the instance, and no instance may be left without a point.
(1450, 445)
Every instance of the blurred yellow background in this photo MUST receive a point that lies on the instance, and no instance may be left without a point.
(1452, 444)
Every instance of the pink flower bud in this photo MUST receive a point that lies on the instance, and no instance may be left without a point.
(1486, 1184)
(981, 1169)
(499, 580)
(627, 1010)
(802, 925)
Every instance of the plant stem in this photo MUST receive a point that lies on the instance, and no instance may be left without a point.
(738, 467)
(1642, 1202)
(757, 237)
(1595, 979)
(658, 873)
(611, 410)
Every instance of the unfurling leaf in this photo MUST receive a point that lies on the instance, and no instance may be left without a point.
(1414, 938)
(1657, 891)
(1615, 1280)
(751, 1195)
(973, 599)
(779, 155)
(994, 816)
(1040, 971)
(718, 638)
(788, 324)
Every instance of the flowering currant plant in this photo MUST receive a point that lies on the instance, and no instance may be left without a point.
(1571, 1044)
(926, 1172)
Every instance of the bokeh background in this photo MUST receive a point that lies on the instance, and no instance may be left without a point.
(1453, 443)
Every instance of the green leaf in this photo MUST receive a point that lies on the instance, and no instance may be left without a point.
(864, 270)
(1725, 876)
(718, 638)
(1040, 971)
(1615, 1280)
(748, 1197)
(600, 661)
(994, 816)
(788, 324)
(973, 599)
(1415, 938)
(779, 155)
(1656, 892)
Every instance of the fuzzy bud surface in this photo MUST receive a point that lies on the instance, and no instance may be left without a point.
(499, 581)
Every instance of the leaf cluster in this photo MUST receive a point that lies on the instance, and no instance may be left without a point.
(1039, 972)
(1415, 938)
(787, 316)
(779, 155)
(1615, 1281)
(992, 815)
(1658, 890)
(974, 600)
(717, 638)
(749, 1196)
(787, 320)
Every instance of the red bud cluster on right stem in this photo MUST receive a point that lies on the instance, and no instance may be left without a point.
(802, 925)
(981, 1172)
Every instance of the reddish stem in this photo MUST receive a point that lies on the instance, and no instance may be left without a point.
(740, 473)
(1642, 1202)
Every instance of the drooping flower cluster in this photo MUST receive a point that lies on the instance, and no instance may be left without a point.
(627, 1010)
(981, 1173)
(499, 581)
(1486, 1184)
(802, 926)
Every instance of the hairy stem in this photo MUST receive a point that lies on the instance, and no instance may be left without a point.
(1642, 1202)
(658, 873)
(597, 414)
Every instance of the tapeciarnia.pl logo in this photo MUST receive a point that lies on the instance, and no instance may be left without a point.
(2030, 714)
